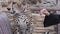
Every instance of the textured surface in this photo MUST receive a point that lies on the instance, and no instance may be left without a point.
(39, 27)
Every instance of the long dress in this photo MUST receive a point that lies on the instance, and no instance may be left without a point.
(5, 27)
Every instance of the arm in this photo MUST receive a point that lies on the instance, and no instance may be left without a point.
(51, 19)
